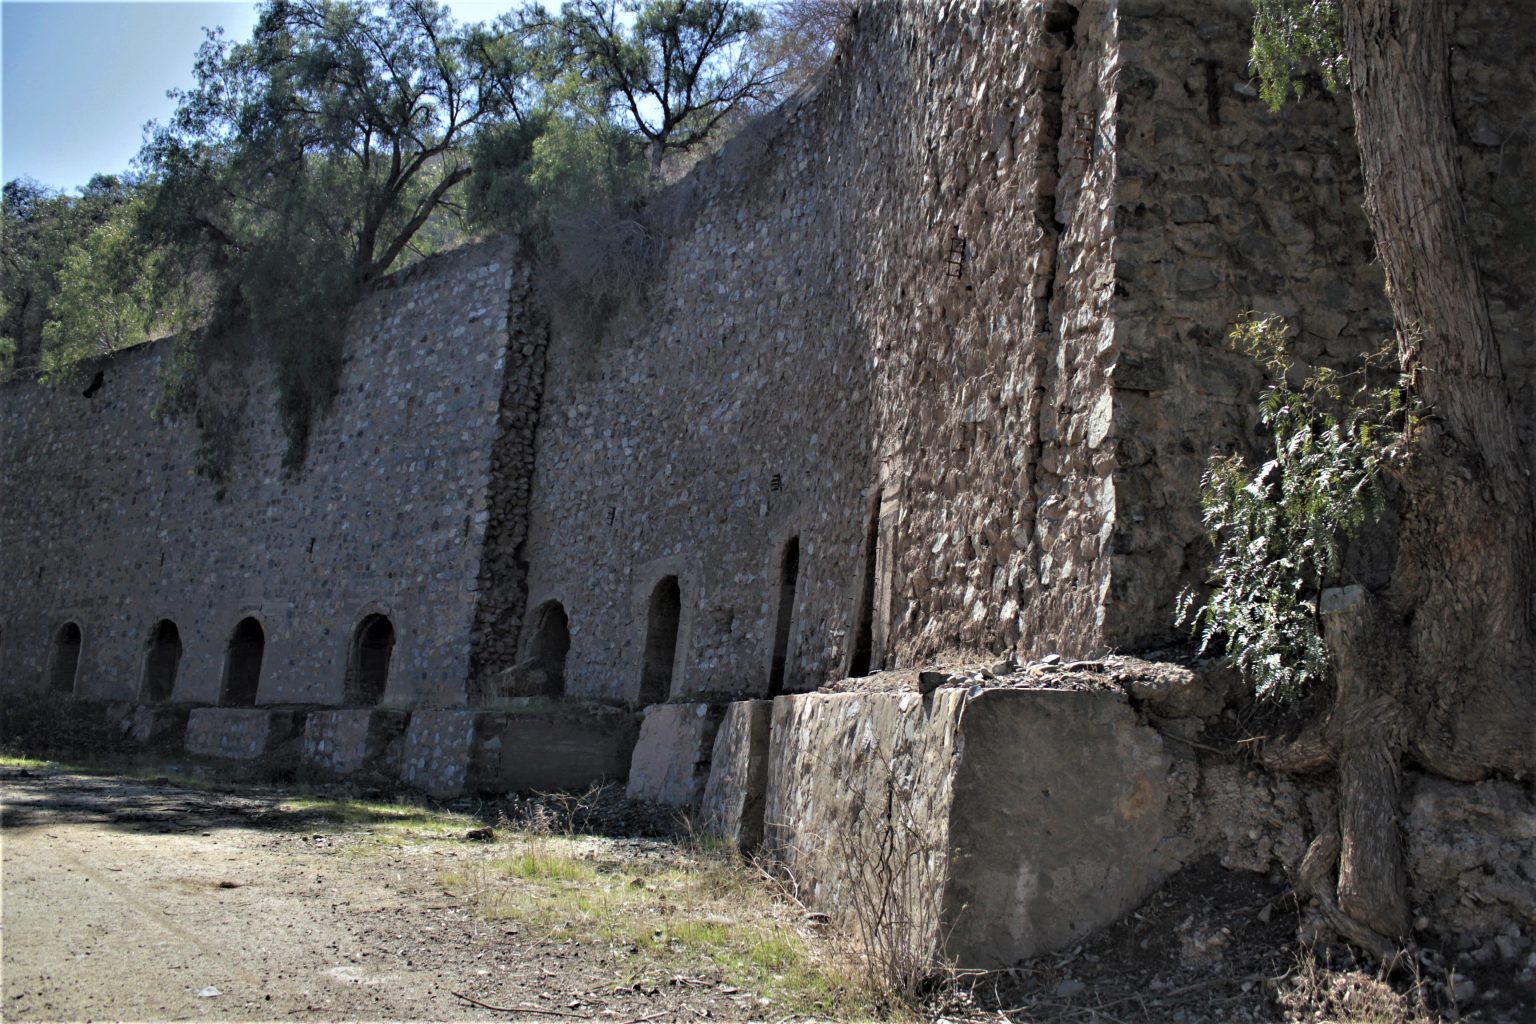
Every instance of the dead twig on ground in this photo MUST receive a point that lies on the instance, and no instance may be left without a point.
(525, 1009)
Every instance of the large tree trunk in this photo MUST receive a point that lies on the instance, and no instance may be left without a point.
(1439, 666)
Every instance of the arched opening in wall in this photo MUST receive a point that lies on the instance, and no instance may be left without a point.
(863, 659)
(368, 661)
(789, 576)
(551, 643)
(661, 624)
(160, 663)
(242, 664)
(64, 661)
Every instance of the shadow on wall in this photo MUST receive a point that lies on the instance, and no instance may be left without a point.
(789, 577)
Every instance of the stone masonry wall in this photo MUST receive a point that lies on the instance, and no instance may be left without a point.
(886, 302)
(105, 522)
(952, 320)
(1223, 207)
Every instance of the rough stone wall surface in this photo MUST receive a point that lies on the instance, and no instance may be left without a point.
(858, 806)
(734, 794)
(995, 825)
(568, 747)
(239, 734)
(1493, 48)
(105, 522)
(891, 296)
(502, 581)
(1222, 207)
(1471, 853)
(439, 744)
(347, 741)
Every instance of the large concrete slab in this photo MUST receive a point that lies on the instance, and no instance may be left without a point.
(1063, 818)
(240, 734)
(161, 727)
(993, 826)
(343, 741)
(567, 747)
(734, 795)
(671, 762)
(437, 750)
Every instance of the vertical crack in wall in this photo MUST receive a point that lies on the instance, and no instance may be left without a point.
(502, 583)
(1057, 28)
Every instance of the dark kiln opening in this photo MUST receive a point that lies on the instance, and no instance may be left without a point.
(66, 659)
(242, 664)
(161, 662)
(551, 643)
(661, 626)
(368, 663)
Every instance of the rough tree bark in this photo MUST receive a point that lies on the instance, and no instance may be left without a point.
(1437, 666)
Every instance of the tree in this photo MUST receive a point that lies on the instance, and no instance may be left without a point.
(1437, 664)
(305, 163)
(40, 228)
(675, 71)
(105, 299)
(797, 38)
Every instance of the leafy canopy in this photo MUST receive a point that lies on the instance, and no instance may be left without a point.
(38, 230)
(673, 69)
(304, 163)
(1279, 530)
(1295, 39)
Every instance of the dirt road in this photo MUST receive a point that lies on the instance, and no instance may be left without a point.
(142, 901)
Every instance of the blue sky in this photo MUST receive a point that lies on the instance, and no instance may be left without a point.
(78, 81)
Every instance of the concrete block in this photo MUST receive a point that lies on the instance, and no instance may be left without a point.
(671, 761)
(858, 802)
(240, 734)
(568, 747)
(160, 727)
(732, 805)
(344, 741)
(1063, 819)
(437, 750)
(1024, 819)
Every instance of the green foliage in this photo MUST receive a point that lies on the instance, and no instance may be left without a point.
(528, 176)
(40, 230)
(104, 300)
(673, 72)
(304, 164)
(1279, 529)
(1295, 39)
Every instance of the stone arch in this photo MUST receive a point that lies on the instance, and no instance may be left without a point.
(551, 643)
(161, 660)
(789, 577)
(663, 619)
(373, 643)
(242, 663)
(64, 658)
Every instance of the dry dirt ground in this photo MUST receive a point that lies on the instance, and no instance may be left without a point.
(127, 899)
(143, 901)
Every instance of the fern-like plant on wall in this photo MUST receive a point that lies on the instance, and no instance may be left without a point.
(1279, 529)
